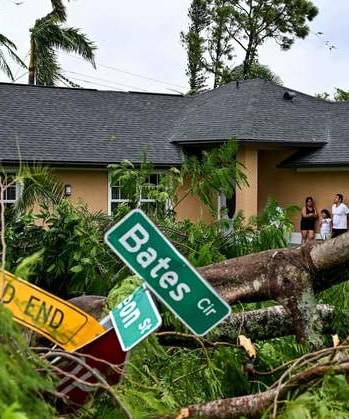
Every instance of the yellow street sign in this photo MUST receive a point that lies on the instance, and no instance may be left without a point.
(63, 323)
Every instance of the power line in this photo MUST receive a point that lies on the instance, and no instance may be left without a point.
(19, 68)
(97, 84)
(129, 72)
(18, 78)
(140, 76)
(107, 81)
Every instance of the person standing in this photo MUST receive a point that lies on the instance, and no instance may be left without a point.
(339, 216)
(325, 224)
(309, 215)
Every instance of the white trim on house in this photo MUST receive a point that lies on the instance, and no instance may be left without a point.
(120, 199)
(12, 193)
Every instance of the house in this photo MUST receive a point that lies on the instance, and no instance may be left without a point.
(292, 144)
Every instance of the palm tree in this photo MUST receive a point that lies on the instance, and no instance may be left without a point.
(10, 48)
(46, 37)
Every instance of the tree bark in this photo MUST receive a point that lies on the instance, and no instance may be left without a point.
(253, 405)
(262, 324)
(31, 75)
(288, 276)
(266, 323)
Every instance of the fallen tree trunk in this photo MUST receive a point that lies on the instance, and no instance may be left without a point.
(262, 324)
(289, 276)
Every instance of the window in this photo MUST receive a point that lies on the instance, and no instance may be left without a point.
(11, 191)
(147, 203)
(226, 207)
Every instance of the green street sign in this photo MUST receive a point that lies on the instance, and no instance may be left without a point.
(135, 318)
(139, 243)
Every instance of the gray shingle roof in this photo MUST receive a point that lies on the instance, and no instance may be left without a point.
(59, 125)
(90, 127)
(336, 151)
(254, 110)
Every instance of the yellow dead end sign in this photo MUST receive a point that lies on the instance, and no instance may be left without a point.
(61, 322)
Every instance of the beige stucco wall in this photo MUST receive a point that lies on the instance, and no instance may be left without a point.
(247, 196)
(91, 187)
(88, 186)
(190, 207)
(290, 187)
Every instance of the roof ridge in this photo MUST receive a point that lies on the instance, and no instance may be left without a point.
(281, 86)
(33, 86)
(252, 105)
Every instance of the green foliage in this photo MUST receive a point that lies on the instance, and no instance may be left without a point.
(216, 172)
(339, 95)
(219, 45)
(326, 399)
(268, 230)
(102, 406)
(200, 243)
(13, 412)
(68, 255)
(282, 21)
(10, 48)
(46, 36)
(23, 238)
(75, 256)
(256, 70)
(122, 290)
(159, 380)
(245, 25)
(38, 184)
(136, 185)
(193, 42)
(340, 295)
(22, 389)
(272, 354)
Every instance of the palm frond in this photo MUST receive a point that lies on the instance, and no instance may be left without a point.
(10, 48)
(73, 40)
(47, 68)
(4, 41)
(15, 57)
(58, 11)
(39, 184)
(48, 36)
(5, 67)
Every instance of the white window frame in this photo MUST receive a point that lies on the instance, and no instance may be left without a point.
(221, 204)
(121, 200)
(18, 190)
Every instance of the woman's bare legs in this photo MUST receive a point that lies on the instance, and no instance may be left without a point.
(311, 235)
(304, 236)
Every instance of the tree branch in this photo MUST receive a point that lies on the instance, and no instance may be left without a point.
(254, 404)
(262, 324)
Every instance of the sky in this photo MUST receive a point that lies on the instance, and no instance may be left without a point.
(139, 46)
